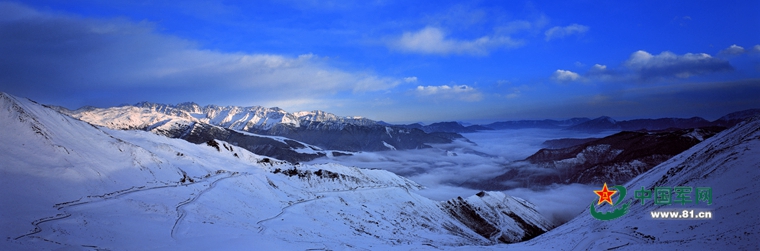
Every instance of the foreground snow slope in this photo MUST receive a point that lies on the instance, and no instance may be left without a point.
(729, 163)
(68, 184)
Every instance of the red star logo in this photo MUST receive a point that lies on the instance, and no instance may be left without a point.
(605, 195)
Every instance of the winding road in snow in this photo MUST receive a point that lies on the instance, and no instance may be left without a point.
(90, 199)
(180, 207)
(320, 195)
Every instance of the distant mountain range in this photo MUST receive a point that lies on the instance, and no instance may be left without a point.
(546, 123)
(451, 127)
(603, 123)
(272, 132)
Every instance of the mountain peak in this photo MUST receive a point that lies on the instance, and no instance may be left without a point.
(606, 119)
(598, 124)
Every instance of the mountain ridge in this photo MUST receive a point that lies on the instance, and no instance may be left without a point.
(319, 128)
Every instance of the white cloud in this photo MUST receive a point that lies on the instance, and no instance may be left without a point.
(565, 76)
(432, 40)
(733, 50)
(560, 32)
(643, 66)
(523, 25)
(410, 79)
(756, 48)
(667, 64)
(104, 56)
(599, 67)
(459, 92)
(601, 72)
(514, 94)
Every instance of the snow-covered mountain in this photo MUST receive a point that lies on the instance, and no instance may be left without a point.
(253, 117)
(67, 184)
(728, 163)
(318, 128)
(179, 123)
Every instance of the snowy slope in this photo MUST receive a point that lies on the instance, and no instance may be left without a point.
(69, 185)
(729, 163)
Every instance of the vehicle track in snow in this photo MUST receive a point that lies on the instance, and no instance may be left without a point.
(105, 197)
(37, 222)
(320, 195)
(180, 207)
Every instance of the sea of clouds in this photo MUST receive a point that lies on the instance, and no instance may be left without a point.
(484, 155)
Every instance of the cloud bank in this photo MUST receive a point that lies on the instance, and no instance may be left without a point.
(565, 76)
(444, 167)
(668, 64)
(457, 92)
(560, 32)
(433, 40)
(48, 55)
(643, 66)
(733, 50)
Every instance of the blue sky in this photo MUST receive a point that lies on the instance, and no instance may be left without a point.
(395, 61)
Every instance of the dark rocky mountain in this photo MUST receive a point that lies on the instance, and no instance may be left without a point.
(451, 127)
(546, 123)
(602, 123)
(616, 158)
(361, 137)
(565, 142)
(278, 148)
(605, 123)
(663, 123)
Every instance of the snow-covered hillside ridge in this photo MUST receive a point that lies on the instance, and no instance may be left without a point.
(322, 129)
(728, 162)
(69, 185)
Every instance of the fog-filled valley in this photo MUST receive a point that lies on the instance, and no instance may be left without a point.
(444, 168)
